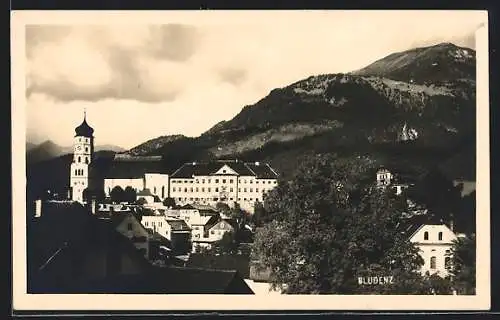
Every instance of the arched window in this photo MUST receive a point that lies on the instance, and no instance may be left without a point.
(76, 172)
(79, 159)
(433, 262)
(163, 192)
(426, 235)
(154, 190)
(440, 236)
(87, 160)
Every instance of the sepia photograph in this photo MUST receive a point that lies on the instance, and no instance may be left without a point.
(268, 160)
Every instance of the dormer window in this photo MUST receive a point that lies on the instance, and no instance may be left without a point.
(426, 235)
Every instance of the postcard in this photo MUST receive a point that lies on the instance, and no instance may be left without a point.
(250, 160)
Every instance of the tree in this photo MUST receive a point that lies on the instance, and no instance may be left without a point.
(129, 194)
(258, 214)
(223, 208)
(169, 202)
(141, 201)
(463, 265)
(330, 226)
(226, 245)
(438, 194)
(117, 194)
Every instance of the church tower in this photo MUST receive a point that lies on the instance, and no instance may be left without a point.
(83, 152)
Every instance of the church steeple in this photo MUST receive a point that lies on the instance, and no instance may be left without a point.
(84, 130)
(83, 152)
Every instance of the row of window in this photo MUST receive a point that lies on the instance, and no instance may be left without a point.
(426, 236)
(79, 172)
(447, 262)
(86, 160)
(174, 189)
(216, 199)
(153, 224)
(221, 180)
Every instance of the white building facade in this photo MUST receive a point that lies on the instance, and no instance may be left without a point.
(222, 181)
(435, 242)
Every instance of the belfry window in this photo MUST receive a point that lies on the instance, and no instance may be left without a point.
(79, 159)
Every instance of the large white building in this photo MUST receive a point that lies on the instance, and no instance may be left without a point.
(140, 173)
(227, 181)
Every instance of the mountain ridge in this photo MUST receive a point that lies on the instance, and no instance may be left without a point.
(403, 114)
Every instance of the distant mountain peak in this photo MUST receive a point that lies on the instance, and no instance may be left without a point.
(441, 62)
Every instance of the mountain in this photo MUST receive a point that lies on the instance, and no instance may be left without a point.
(421, 101)
(154, 144)
(413, 109)
(48, 150)
(442, 62)
(108, 147)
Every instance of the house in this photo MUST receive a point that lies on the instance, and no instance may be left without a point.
(171, 280)
(68, 246)
(128, 225)
(226, 181)
(434, 240)
(384, 177)
(175, 230)
(146, 195)
(211, 234)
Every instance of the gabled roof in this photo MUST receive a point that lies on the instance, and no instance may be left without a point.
(411, 225)
(56, 254)
(190, 169)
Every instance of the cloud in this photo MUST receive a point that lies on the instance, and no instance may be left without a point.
(233, 76)
(174, 42)
(92, 62)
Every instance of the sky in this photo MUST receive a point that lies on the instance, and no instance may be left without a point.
(182, 75)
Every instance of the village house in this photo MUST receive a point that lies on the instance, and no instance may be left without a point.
(68, 246)
(128, 225)
(434, 239)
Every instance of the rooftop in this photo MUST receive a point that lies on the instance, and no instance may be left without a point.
(190, 169)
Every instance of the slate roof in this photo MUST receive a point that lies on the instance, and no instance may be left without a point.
(171, 280)
(145, 193)
(178, 225)
(241, 263)
(59, 243)
(412, 224)
(190, 169)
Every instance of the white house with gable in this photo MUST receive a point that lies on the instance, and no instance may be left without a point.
(435, 242)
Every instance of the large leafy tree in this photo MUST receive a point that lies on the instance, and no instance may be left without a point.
(463, 265)
(129, 194)
(117, 194)
(330, 225)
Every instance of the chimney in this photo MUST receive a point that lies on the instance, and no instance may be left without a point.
(38, 208)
